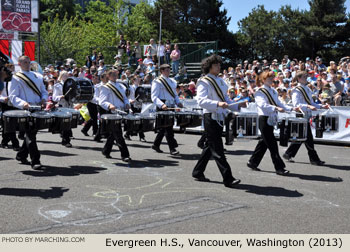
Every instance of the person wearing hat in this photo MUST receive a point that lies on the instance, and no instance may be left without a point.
(164, 96)
(302, 98)
(212, 97)
(118, 60)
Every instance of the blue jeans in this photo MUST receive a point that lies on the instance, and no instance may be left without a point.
(175, 66)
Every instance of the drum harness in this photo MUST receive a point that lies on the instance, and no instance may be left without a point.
(29, 83)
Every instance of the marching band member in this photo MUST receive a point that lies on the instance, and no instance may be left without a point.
(112, 97)
(268, 105)
(164, 96)
(135, 105)
(302, 97)
(97, 87)
(92, 107)
(5, 105)
(212, 97)
(58, 96)
(28, 88)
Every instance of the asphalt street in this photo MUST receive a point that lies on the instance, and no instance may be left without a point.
(80, 191)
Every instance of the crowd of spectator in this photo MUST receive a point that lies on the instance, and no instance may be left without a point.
(330, 84)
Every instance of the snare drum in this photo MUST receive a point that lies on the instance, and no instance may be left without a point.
(295, 129)
(165, 119)
(40, 120)
(147, 123)
(246, 125)
(330, 122)
(132, 123)
(110, 123)
(61, 121)
(75, 116)
(183, 118)
(16, 120)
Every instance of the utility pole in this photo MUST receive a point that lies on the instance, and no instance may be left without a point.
(160, 36)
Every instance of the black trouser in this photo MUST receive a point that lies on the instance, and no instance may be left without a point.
(66, 135)
(169, 135)
(309, 144)
(30, 147)
(92, 107)
(267, 141)
(98, 135)
(117, 135)
(214, 148)
(7, 137)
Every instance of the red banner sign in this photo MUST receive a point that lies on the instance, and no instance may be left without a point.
(16, 15)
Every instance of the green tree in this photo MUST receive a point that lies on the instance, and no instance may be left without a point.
(49, 9)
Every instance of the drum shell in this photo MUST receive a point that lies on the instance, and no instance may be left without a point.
(38, 122)
(297, 129)
(147, 123)
(132, 123)
(75, 116)
(165, 119)
(1, 123)
(196, 120)
(110, 124)
(60, 123)
(247, 123)
(183, 119)
(13, 123)
(330, 120)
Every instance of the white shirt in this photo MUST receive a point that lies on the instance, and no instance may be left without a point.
(208, 98)
(108, 97)
(57, 93)
(20, 92)
(263, 104)
(159, 92)
(299, 100)
(97, 88)
(160, 51)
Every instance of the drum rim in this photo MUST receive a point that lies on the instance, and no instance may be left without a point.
(8, 113)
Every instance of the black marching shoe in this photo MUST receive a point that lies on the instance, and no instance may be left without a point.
(126, 159)
(157, 149)
(127, 137)
(142, 139)
(84, 133)
(68, 145)
(5, 146)
(282, 172)
(201, 179)
(37, 167)
(174, 152)
(106, 155)
(318, 162)
(22, 160)
(15, 148)
(233, 183)
(253, 166)
(288, 158)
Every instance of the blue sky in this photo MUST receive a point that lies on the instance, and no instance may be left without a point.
(239, 9)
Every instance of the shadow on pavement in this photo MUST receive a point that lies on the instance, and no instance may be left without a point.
(152, 163)
(56, 153)
(54, 192)
(49, 171)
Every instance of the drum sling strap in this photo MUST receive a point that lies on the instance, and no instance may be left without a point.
(29, 82)
(167, 86)
(115, 91)
(269, 97)
(216, 87)
(306, 97)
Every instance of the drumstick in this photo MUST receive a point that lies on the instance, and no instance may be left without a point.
(70, 89)
(137, 97)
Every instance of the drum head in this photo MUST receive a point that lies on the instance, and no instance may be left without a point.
(69, 110)
(78, 90)
(111, 117)
(143, 93)
(17, 113)
(41, 114)
(61, 114)
(297, 119)
(165, 113)
(132, 117)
